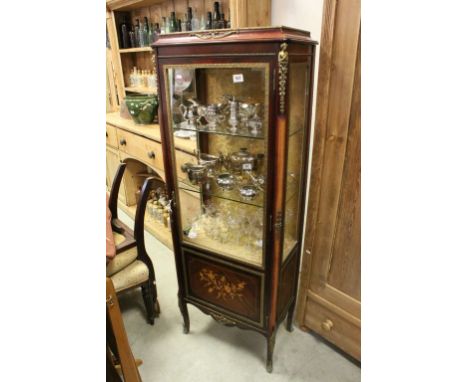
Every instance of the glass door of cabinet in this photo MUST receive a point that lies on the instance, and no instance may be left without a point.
(299, 83)
(221, 189)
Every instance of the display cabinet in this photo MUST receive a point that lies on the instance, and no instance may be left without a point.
(244, 96)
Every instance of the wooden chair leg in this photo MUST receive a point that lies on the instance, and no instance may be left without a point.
(146, 290)
(154, 291)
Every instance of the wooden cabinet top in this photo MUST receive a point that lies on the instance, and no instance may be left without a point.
(241, 35)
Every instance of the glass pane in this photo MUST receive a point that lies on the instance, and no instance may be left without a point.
(223, 108)
(298, 85)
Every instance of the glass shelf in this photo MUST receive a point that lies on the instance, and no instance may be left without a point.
(214, 190)
(211, 189)
(212, 217)
(241, 133)
(231, 249)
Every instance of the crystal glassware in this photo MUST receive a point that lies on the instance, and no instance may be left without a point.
(233, 114)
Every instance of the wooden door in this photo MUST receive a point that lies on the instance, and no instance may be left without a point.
(330, 286)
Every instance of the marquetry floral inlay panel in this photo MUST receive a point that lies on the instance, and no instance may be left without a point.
(221, 286)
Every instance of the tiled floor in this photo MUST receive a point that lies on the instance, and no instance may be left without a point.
(212, 352)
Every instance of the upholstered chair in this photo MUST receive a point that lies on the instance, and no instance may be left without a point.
(132, 267)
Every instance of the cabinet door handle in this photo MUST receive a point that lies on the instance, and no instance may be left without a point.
(107, 135)
(327, 325)
(151, 154)
(123, 142)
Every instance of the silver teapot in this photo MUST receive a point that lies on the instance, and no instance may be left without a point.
(242, 161)
(190, 114)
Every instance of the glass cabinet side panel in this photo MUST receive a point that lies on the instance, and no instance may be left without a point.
(298, 104)
(223, 109)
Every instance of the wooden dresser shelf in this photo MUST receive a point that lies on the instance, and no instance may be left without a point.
(136, 50)
(149, 131)
(141, 90)
(129, 5)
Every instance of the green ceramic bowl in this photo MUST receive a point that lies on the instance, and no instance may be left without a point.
(142, 108)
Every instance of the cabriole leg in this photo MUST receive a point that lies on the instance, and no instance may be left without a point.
(184, 311)
(154, 289)
(270, 348)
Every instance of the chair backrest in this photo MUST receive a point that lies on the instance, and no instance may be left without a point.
(114, 192)
(139, 229)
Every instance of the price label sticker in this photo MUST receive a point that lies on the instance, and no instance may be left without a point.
(237, 78)
(247, 166)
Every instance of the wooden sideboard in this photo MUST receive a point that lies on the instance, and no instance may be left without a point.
(141, 144)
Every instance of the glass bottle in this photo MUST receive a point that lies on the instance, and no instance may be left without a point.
(137, 78)
(216, 15)
(132, 40)
(168, 25)
(137, 33)
(154, 32)
(172, 23)
(202, 22)
(147, 29)
(195, 21)
(161, 214)
(147, 78)
(151, 34)
(133, 78)
(143, 35)
(188, 24)
(153, 209)
(222, 22)
(209, 21)
(179, 25)
(164, 26)
(124, 34)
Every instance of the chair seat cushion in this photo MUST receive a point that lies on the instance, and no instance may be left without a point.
(118, 238)
(132, 275)
(120, 261)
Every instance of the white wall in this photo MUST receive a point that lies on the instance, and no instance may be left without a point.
(301, 14)
(306, 15)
